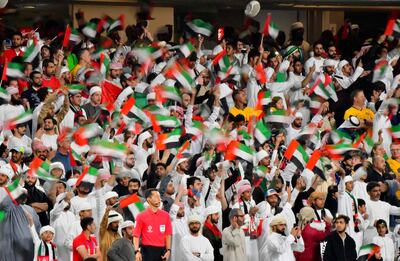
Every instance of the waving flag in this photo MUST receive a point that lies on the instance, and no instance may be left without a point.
(90, 30)
(41, 169)
(167, 121)
(186, 49)
(32, 51)
(104, 64)
(109, 149)
(14, 70)
(22, 118)
(270, 28)
(261, 132)
(323, 87)
(279, 116)
(134, 204)
(380, 70)
(118, 24)
(237, 149)
(393, 28)
(367, 251)
(14, 190)
(83, 134)
(169, 140)
(89, 175)
(296, 154)
(200, 27)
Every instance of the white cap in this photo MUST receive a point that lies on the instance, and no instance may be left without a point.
(47, 229)
(126, 224)
(151, 96)
(341, 64)
(211, 210)
(110, 194)
(329, 62)
(194, 218)
(57, 165)
(298, 115)
(5, 170)
(142, 137)
(261, 155)
(71, 182)
(94, 89)
(347, 179)
(114, 216)
(252, 8)
(12, 90)
(84, 206)
(351, 123)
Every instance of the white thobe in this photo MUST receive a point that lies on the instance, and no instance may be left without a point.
(179, 229)
(196, 244)
(318, 65)
(345, 81)
(360, 190)
(280, 248)
(378, 210)
(386, 245)
(61, 221)
(346, 207)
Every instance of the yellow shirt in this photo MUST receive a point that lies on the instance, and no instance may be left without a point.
(364, 114)
(246, 112)
(74, 71)
(394, 165)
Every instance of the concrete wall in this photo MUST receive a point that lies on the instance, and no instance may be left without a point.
(162, 15)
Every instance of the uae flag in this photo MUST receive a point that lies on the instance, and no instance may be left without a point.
(270, 28)
(167, 92)
(133, 203)
(196, 129)
(14, 190)
(75, 88)
(260, 74)
(237, 149)
(336, 151)
(315, 165)
(83, 134)
(89, 175)
(395, 131)
(41, 169)
(71, 35)
(109, 149)
(182, 76)
(261, 132)
(338, 136)
(118, 24)
(187, 49)
(22, 118)
(323, 87)
(393, 28)
(130, 107)
(169, 140)
(367, 251)
(32, 51)
(104, 64)
(110, 92)
(200, 27)
(279, 116)
(264, 98)
(296, 154)
(183, 151)
(380, 70)
(167, 121)
(4, 94)
(14, 70)
(90, 30)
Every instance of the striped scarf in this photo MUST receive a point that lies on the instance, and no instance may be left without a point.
(44, 252)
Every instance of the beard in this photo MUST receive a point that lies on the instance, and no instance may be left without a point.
(15, 101)
(180, 215)
(48, 128)
(214, 221)
(194, 230)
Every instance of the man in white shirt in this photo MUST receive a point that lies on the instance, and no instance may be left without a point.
(344, 76)
(47, 134)
(195, 246)
(279, 246)
(316, 60)
(20, 139)
(377, 209)
(294, 128)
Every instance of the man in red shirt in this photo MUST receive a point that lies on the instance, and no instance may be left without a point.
(49, 79)
(15, 50)
(85, 245)
(153, 226)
